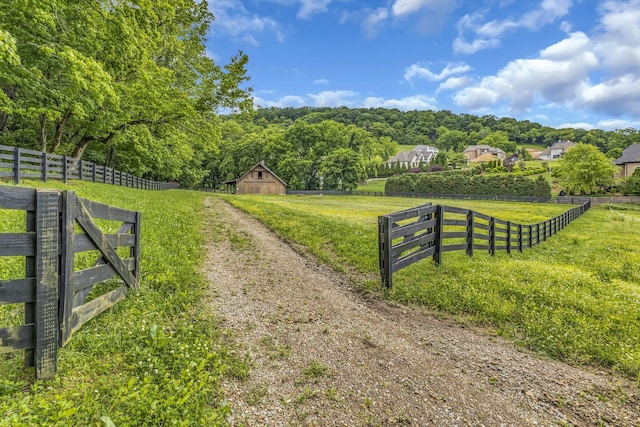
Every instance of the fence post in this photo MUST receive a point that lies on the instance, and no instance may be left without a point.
(80, 169)
(67, 225)
(437, 256)
(519, 237)
(16, 165)
(65, 169)
(384, 250)
(470, 225)
(492, 236)
(30, 307)
(135, 249)
(46, 309)
(43, 167)
(93, 172)
(508, 237)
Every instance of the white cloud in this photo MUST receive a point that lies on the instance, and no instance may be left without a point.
(285, 101)
(416, 71)
(487, 34)
(618, 96)
(581, 125)
(235, 21)
(560, 74)
(321, 82)
(374, 20)
(406, 7)
(619, 42)
(455, 83)
(335, 98)
(418, 102)
(310, 7)
(615, 124)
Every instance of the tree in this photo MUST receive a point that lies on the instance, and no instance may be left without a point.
(583, 168)
(343, 169)
(632, 184)
(499, 139)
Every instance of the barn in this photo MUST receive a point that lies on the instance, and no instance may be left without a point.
(259, 180)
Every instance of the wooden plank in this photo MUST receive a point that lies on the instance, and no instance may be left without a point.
(481, 247)
(17, 244)
(30, 307)
(17, 291)
(83, 243)
(88, 311)
(411, 229)
(481, 236)
(17, 198)
(95, 234)
(67, 252)
(452, 209)
(413, 212)
(87, 278)
(414, 257)
(458, 247)
(16, 338)
(482, 226)
(46, 309)
(104, 211)
(454, 235)
(456, 222)
(30, 152)
(423, 240)
(483, 216)
(500, 238)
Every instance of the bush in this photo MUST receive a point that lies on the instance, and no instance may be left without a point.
(495, 185)
(632, 185)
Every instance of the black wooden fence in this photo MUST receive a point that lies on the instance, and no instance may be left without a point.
(53, 292)
(411, 235)
(17, 163)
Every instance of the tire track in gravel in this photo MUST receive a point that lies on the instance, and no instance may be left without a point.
(325, 355)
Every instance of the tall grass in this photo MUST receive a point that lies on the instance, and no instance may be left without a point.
(575, 297)
(157, 357)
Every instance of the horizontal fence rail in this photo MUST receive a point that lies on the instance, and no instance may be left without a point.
(17, 163)
(60, 225)
(414, 234)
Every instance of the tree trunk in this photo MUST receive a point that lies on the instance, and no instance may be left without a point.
(78, 151)
(57, 139)
(43, 132)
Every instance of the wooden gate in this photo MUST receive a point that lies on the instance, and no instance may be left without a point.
(53, 293)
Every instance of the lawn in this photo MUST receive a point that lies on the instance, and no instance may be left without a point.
(575, 298)
(157, 357)
(373, 185)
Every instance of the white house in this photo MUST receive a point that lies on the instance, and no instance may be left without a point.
(556, 151)
(421, 154)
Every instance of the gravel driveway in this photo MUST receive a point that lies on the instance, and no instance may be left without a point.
(323, 354)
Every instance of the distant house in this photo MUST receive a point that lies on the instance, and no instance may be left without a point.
(487, 157)
(421, 154)
(630, 160)
(474, 151)
(258, 180)
(556, 151)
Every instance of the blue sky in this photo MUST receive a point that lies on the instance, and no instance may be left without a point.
(561, 63)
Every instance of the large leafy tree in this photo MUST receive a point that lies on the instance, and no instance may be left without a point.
(343, 169)
(583, 168)
(103, 78)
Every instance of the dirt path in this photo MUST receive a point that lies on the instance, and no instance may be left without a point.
(324, 355)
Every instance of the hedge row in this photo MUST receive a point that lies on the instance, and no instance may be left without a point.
(499, 185)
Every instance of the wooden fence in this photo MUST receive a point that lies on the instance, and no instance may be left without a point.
(17, 163)
(53, 293)
(414, 234)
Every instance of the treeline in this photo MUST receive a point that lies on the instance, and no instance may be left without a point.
(124, 84)
(449, 131)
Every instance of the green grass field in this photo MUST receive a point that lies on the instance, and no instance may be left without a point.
(155, 358)
(575, 297)
(375, 185)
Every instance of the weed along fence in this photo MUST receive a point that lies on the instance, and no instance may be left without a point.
(411, 235)
(17, 163)
(54, 294)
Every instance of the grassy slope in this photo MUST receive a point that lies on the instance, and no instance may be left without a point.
(156, 357)
(575, 298)
(376, 185)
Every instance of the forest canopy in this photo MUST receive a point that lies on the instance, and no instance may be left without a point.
(125, 84)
